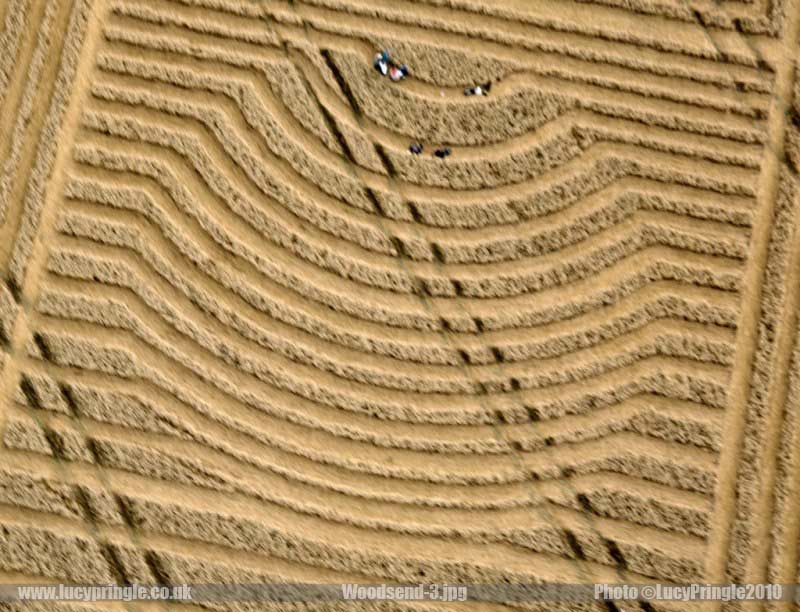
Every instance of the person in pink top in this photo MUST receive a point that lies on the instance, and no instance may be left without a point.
(398, 73)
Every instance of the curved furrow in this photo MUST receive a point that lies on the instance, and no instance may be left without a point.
(726, 280)
(592, 492)
(589, 125)
(289, 493)
(633, 167)
(337, 225)
(431, 350)
(616, 453)
(291, 453)
(243, 525)
(172, 45)
(486, 42)
(645, 415)
(542, 313)
(660, 337)
(551, 84)
(172, 187)
(295, 376)
(741, 114)
(142, 203)
(477, 30)
(734, 243)
(611, 526)
(561, 192)
(597, 212)
(152, 458)
(215, 363)
(252, 93)
(601, 166)
(554, 150)
(503, 285)
(162, 457)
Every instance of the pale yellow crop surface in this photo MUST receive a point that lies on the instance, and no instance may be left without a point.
(246, 336)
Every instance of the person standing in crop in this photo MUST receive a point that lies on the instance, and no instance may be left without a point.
(479, 90)
(381, 62)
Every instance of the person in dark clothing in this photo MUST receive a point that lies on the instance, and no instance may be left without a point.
(441, 153)
(382, 62)
(415, 148)
(380, 65)
(479, 90)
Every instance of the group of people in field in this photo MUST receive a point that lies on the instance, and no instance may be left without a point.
(384, 64)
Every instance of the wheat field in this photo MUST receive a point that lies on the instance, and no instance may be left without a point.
(246, 336)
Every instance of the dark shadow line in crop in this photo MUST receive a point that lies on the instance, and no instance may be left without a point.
(14, 290)
(348, 93)
(29, 391)
(576, 547)
(616, 554)
(109, 552)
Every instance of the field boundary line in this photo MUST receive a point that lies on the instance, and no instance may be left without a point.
(752, 293)
(39, 209)
(783, 558)
(780, 361)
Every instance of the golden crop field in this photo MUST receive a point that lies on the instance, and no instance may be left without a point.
(247, 336)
